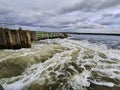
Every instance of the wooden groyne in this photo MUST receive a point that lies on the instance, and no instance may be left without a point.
(50, 35)
(16, 39)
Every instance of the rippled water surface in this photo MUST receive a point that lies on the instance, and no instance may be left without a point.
(61, 64)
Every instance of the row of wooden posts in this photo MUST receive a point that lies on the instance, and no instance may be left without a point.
(16, 39)
(50, 35)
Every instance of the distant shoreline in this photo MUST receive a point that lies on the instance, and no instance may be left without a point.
(110, 34)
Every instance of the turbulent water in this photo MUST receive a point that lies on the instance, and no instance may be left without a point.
(61, 64)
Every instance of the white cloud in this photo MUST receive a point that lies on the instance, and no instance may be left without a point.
(61, 14)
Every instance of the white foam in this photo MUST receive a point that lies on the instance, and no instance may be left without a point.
(39, 72)
(78, 81)
(109, 84)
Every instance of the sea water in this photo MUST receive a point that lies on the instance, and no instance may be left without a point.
(81, 62)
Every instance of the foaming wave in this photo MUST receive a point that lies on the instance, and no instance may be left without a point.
(80, 64)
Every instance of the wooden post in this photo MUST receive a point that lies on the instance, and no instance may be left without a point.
(33, 35)
(3, 41)
(25, 38)
(15, 39)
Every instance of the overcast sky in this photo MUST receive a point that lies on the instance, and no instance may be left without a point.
(63, 15)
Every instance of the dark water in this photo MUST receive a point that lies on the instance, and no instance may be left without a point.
(81, 62)
(111, 41)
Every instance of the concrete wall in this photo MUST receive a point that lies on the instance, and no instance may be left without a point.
(16, 39)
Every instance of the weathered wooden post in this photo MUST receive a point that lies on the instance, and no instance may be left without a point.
(33, 35)
(8, 38)
(16, 39)
(28, 39)
(53, 35)
(25, 38)
(3, 41)
(13, 39)
(15, 36)
(47, 36)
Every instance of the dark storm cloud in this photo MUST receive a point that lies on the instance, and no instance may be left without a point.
(109, 19)
(110, 23)
(108, 4)
(5, 11)
(82, 5)
(117, 15)
(90, 5)
(106, 23)
(107, 15)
